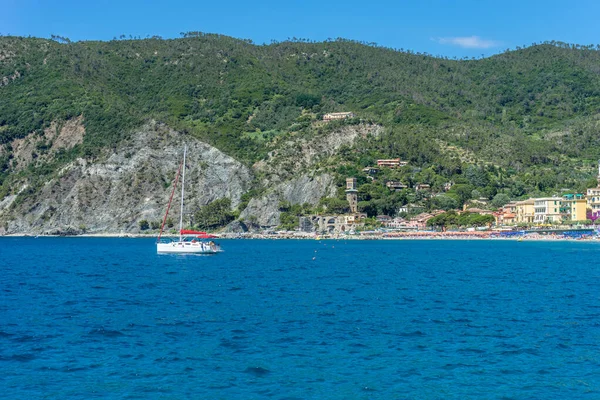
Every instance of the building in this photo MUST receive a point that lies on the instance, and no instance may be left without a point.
(393, 185)
(547, 210)
(391, 163)
(420, 221)
(422, 186)
(593, 197)
(593, 200)
(333, 224)
(399, 223)
(337, 116)
(370, 170)
(573, 207)
(383, 219)
(510, 207)
(411, 208)
(352, 194)
(506, 215)
(525, 211)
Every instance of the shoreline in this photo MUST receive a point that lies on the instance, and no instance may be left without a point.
(404, 236)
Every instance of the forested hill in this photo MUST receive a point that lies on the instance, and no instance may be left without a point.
(531, 113)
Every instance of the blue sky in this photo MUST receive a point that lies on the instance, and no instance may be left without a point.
(451, 28)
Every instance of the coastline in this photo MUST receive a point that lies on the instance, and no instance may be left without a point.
(379, 236)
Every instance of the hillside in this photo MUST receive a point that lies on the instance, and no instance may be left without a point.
(522, 122)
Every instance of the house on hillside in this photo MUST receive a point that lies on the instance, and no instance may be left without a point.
(337, 116)
(391, 163)
(411, 208)
(370, 170)
(422, 186)
(394, 185)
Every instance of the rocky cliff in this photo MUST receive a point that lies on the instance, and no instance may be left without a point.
(282, 172)
(115, 192)
(134, 183)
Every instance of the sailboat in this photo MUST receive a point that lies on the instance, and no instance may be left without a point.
(190, 242)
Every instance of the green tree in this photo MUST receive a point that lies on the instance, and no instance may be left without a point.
(443, 202)
(215, 214)
(500, 200)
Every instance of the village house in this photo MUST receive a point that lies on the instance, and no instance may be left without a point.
(392, 163)
(507, 214)
(337, 116)
(370, 170)
(393, 185)
(422, 186)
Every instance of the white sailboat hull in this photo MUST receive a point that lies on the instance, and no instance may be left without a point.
(186, 248)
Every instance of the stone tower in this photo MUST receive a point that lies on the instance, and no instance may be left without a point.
(352, 194)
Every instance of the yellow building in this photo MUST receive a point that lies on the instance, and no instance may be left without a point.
(573, 207)
(593, 200)
(547, 210)
(525, 211)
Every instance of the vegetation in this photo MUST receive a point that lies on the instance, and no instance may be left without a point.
(452, 219)
(520, 123)
(215, 214)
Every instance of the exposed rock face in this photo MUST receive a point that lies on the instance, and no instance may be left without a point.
(303, 189)
(5, 80)
(113, 194)
(133, 184)
(299, 154)
(281, 167)
(42, 148)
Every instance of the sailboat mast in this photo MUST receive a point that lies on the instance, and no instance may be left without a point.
(182, 190)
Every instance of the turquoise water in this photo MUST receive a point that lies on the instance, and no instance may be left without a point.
(85, 318)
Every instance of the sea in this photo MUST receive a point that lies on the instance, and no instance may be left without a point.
(85, 318)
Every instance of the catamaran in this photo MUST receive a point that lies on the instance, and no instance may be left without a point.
(190, 241)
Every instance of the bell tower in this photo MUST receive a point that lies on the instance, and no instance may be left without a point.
(352, 194)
